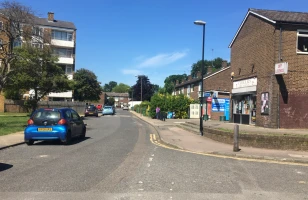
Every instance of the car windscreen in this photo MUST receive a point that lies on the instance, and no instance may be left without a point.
(47, 116)
(107, 107)
(91, 108)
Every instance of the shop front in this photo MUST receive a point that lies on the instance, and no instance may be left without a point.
(244, 96)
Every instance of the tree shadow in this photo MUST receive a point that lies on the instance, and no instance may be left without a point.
(4, 166)
(58, 142)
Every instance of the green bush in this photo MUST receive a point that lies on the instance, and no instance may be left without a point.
(178, 104)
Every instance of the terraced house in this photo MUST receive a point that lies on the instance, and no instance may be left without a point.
(217, 88)
(269, 56)
(61, 35)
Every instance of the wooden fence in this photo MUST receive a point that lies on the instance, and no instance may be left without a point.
(18, 106)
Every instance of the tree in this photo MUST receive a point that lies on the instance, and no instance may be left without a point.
(108, 87)
(171, 80)
(18, 24)
(86, 86)
(36, 69)
(215, 64)
(148, 89)
(121, 88)
(110, 101)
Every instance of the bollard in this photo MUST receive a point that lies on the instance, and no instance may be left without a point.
(236, 134)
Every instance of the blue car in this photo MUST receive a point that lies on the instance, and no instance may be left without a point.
(54, 124)
(108, 110)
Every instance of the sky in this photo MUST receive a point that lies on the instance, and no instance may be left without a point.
(120, 39)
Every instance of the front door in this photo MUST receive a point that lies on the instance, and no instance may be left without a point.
(77, 123)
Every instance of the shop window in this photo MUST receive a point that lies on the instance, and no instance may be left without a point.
(302, 41)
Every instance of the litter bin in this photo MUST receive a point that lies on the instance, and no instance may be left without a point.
(205, 117)
(222, 118)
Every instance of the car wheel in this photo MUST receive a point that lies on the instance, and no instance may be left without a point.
(68, 138)
(30, 142)
(96, 115)
(83, 134)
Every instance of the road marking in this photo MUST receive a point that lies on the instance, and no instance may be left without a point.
(148, 164)
(150, 159)
(230, 157)
(154, 136)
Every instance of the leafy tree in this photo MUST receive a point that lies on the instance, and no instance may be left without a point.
(14, 94)
(18, 22)
(148, 89)
(108, 87)
(121, 88)
(216, 64)
(86, 87)
(171, 80)
(110, 101)
(36, 70)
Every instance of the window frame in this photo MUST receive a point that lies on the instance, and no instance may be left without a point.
(67, 37)
(301, 35)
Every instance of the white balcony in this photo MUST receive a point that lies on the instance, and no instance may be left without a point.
(66, 60)
(68, 94)
(69, 76)
(62, 43)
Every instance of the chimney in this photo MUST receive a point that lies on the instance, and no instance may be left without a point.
(209, 69)
(176, 82)
(189, 78)
(50, 16)
(224, 64)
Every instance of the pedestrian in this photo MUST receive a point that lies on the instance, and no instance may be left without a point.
(157, 112)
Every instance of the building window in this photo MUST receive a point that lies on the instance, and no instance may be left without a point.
(1, 25)
(188, 90)
(37, 45)
(67, 53)
(61, 35)
(68, 70)
(17, 43)
(302, 41)
(1, 44)
(121, 98)
(199, 87)
(37, 31)
(192, 87)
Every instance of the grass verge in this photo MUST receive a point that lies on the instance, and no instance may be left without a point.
(12, 123)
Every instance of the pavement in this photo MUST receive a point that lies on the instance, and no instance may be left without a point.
(170, 134)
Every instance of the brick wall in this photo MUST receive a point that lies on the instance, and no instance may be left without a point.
(253, 55)
(219, 82)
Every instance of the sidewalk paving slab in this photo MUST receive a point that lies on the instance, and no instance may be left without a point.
(11, 140)
(171, 134)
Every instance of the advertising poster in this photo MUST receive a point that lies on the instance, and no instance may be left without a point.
(227, 109)
(265, 103)
(218, 105)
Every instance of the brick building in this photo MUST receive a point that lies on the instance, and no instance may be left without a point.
(269, 55)
(216, 86)
(120, 98)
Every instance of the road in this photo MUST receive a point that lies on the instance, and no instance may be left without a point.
(118, 161)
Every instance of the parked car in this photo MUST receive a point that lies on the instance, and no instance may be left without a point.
(54, 124)
(99, 107)
(125, 107)
(91, 110)
(108, 110)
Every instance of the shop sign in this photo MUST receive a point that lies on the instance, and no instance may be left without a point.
(281, 68)
(245, 83)
(218, 105)
(227, 109)
(207, 94)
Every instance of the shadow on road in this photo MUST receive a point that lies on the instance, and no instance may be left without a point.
(58, 142)
(4, 166)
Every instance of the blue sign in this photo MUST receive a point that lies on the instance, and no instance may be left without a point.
(218, 105)
(227, 109)
(207, 94)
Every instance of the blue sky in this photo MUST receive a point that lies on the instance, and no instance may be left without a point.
(118, 39)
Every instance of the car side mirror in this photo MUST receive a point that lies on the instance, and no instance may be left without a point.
(82, 117)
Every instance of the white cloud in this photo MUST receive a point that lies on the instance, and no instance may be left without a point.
(131, 71)
(162, 59)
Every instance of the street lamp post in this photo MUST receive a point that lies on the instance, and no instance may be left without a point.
(140, 76)
(202, 23)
